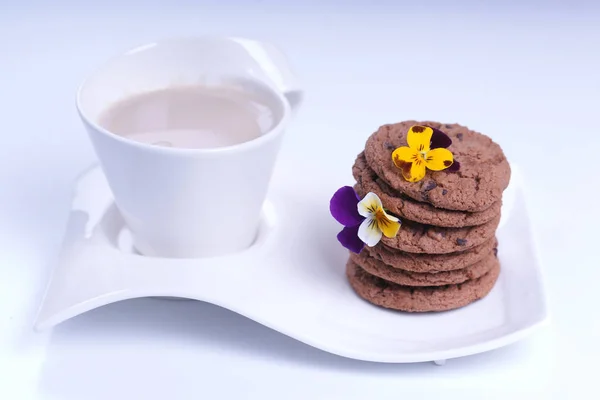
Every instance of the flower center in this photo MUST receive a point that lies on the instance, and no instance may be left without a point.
(382, 221)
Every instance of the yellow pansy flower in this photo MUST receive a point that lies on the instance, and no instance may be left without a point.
(421, 154)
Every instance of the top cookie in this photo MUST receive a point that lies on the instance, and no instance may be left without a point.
(484, 171)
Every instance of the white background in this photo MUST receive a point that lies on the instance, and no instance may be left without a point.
(525, 73)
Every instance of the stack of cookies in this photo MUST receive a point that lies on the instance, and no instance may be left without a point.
(445, 253)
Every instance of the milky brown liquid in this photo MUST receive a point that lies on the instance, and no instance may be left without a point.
(191, 117)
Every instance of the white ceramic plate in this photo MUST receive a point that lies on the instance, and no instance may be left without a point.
(293, 280)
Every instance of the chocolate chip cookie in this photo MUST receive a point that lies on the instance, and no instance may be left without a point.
(408, 278)
(422, 299)
(431, 262)
(419, 238)
(483, 175)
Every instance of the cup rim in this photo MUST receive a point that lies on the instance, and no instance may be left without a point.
(268, 136)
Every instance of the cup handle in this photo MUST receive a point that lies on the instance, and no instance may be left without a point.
(276, 67)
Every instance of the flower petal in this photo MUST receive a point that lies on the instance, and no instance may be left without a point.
(348, 237)
(419, 137)
(412, 171)
(369, 232)
(369, 205)
(403, 158)
(391, 217)
(388, 225)
(343, 206)
(440, 139)
(417, 172)
(454, 167)
(439, 159)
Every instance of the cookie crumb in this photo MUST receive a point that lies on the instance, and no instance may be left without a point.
(436, 234)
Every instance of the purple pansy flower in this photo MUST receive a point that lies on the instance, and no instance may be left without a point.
(365, 221)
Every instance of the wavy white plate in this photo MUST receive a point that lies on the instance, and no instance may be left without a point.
(293, 280)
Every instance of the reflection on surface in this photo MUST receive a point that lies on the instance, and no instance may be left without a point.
(145, 347)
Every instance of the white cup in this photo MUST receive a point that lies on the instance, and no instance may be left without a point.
(186, 203)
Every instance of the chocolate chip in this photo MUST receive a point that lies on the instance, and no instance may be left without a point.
(459, 136)
(444, 191)
(495, 252)
(461, 242)
(429, 185)
(389, 146)
(426, 188)
(443, 233)
(448, 126)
